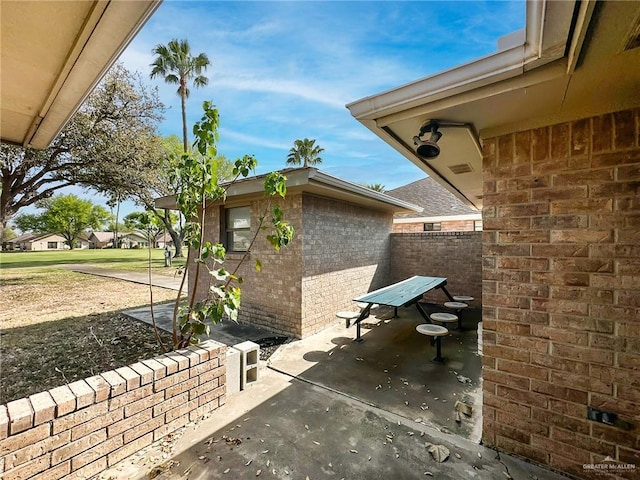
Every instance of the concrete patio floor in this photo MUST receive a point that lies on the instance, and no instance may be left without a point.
(392, 368)
(325, 407)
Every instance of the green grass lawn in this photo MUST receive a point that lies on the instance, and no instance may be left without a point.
(132, 259)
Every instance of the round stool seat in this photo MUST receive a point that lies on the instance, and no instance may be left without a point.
(463, 298)
(455, 305)
(432, 330)
(444, 317)
(348, 315)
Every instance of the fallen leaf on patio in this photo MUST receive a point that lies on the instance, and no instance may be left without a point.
(439, 452)
(463, 408)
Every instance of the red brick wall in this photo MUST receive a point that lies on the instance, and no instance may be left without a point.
(80, 429)
(456, 256)
(446, 226)
(561, 275)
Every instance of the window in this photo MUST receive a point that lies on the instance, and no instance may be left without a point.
(432, 227)
(237, 229)
(477, 225)
(52, 245)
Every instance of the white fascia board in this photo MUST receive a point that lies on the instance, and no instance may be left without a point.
(107, 31)
(541, 17)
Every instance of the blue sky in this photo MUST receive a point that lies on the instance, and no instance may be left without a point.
(285, 70)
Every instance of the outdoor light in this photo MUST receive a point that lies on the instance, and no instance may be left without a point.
(429, 149)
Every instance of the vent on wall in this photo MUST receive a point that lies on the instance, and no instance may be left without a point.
(461, 168)
(633, 40)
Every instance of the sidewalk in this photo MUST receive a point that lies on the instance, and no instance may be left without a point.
(163, 281)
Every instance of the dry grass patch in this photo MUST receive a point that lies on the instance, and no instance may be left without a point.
(58, 326)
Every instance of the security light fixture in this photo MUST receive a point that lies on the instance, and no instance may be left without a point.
(429, 149)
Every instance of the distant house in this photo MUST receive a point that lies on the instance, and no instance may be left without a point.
(43, 241)
(442, 211)
(125, 240)
(164, 240)
(101, 239)
(341, 248)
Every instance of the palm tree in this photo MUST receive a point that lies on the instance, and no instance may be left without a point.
(304, 151)
(376, 186)
(177, 66)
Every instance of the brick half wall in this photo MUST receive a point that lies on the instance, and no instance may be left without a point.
(454, 255)
(81, 429)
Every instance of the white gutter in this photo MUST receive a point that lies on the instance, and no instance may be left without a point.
(543, 43)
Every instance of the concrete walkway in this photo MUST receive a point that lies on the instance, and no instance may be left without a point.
(163, 281)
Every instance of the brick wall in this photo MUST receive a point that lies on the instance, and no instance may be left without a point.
(446, 226)
(346, 253)
(339, 251)
(80, 429)
(562, 290)
(270, 298)
(456, 256)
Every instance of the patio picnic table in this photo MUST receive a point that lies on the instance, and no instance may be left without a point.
(401, 294)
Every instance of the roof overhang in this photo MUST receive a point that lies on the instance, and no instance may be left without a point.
(312, 181)
(52, 56)
(573, 60)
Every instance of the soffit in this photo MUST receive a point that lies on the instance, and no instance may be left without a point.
(605, 77)
(52, 55)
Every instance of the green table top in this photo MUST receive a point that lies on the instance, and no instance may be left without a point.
(404, 292)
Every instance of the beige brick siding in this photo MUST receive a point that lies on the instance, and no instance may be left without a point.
(346, 254)
(562, 290)
(53, 435)
(340, 251)
(456, 256)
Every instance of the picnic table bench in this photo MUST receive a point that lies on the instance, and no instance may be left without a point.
(401, 294)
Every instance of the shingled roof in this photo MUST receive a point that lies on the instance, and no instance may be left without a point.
(432, 197)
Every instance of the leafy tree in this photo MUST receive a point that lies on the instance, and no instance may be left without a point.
(196, 176)
(67, 215)
(147, 224)
(111, 139)
(144, 189)
(306, 152)
(8, 234)
(175, 64)
(377, 187)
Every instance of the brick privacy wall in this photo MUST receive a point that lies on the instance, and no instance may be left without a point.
(346, 253)
(456, 256)
(448, 226)
(81, 429)
(561, 274)
(270, 298)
